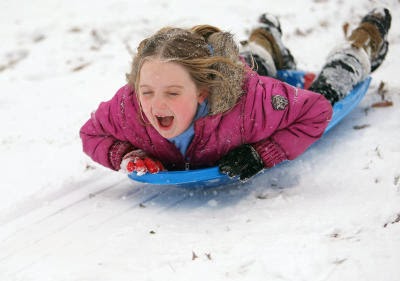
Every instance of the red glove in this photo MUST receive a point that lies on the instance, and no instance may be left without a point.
(138, 161)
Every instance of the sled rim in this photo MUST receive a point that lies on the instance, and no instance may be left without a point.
(181, 177)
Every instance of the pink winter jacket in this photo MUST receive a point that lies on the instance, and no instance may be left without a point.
(279, 120)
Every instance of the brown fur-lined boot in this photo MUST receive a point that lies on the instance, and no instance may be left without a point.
(264, 48)
(269, 35)
(371, 34)
(351, 63)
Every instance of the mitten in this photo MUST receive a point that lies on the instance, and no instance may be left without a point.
(138, 161)
(243, 161)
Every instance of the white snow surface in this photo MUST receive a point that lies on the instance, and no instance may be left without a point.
(332, 214)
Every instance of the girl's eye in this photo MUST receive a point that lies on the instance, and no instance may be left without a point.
(173, 94)
(146, 93)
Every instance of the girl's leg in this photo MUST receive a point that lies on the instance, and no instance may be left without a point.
(351, 63)
(265, 50)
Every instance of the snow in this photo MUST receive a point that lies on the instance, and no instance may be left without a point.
(331, 214)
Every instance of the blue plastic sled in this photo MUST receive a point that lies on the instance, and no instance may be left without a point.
(212, 177)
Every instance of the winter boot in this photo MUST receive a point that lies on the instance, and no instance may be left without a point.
(345, 67)
(269, 35)
(258, 58)
(371, 34)
(266, 46)
(352, 63)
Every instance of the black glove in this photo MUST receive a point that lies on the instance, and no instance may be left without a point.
(243, 161)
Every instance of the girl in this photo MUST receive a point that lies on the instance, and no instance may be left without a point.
(192, 101)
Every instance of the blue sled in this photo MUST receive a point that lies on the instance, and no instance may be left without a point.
(210, 177)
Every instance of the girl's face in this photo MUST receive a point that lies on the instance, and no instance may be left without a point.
(168, 96)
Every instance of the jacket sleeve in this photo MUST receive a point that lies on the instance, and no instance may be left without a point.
(286, 120)
(102, 135)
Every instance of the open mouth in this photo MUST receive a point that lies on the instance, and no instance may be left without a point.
(165, 121)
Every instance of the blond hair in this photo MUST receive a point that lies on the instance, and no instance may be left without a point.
(209, 55)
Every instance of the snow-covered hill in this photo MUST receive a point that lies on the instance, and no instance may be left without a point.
(332, 214)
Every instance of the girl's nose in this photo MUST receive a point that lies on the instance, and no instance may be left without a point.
(159, 102)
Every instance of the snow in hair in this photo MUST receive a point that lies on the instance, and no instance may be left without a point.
(210, 56)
